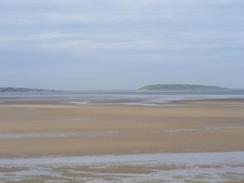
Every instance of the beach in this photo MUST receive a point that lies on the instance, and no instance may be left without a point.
(34, 129)
(121, 91)
(63, 129)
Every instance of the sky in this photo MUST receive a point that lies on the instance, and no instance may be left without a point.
(121, 44)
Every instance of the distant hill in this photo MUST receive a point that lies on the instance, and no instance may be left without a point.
(12, 89)
(180, 87)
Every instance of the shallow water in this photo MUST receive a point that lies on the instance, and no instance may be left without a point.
(167, 167)
(119, 97)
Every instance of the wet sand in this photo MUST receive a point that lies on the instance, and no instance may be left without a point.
(39, 129)
(156, 168)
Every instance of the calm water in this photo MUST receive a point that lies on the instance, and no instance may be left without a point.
(122, 97)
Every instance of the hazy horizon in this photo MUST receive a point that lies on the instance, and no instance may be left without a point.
(121, 44)
(121, 89)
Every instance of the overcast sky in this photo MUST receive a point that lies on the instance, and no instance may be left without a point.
(121, 44)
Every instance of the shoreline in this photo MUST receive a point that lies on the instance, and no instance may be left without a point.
(74, 103)
(127, 98)
(11, 159)
(119, 158)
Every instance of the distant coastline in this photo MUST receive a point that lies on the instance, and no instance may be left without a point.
(155, 87)
(181, 87)
(14, 89)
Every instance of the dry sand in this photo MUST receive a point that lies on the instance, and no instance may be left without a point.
(36, 129)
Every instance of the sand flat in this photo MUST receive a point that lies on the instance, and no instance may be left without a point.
(37, 129)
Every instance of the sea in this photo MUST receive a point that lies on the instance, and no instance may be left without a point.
(126, 97)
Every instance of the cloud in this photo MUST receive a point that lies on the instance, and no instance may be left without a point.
(153, 25)
(89, 43)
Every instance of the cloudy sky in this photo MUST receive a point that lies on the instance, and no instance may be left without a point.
(121, 44)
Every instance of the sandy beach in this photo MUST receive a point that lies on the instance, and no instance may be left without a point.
(121, 91)
(37, 129)
(185, 141)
